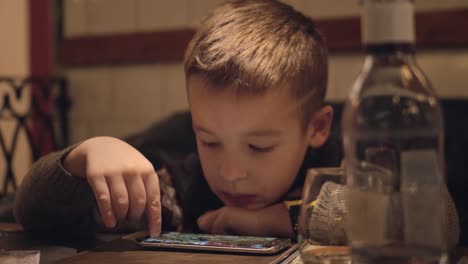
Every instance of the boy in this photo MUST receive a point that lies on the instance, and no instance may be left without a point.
(256, 76)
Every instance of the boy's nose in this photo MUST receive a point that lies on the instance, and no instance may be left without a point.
(232, 172)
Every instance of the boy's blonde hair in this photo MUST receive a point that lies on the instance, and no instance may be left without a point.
(252, 46)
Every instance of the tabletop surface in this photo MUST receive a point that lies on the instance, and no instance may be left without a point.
(111, 248)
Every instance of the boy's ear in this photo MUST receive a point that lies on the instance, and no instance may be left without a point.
(319, 126)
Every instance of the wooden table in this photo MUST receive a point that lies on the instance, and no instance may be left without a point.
(112, 249)
(164, 256)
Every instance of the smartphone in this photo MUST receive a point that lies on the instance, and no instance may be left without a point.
(226, 243)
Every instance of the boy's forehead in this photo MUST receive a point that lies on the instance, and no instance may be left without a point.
(200, 84)
(207, 101)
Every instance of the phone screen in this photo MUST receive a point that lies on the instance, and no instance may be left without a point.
(247, 242)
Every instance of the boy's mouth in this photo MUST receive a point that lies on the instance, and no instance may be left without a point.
(239, 200)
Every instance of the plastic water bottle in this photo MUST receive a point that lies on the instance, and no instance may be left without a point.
(393, 144)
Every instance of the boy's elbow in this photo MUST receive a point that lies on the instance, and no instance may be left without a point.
(53, 225)
(46, 213)
(24, 204)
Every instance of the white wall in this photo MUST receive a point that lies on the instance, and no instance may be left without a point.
(14, 61)
(128, 98)
(88, 17)
(14, 53)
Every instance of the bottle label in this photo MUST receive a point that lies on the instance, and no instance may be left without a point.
(387, 22)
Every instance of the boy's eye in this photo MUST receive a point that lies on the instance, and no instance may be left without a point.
(210, 144)
(261, 149)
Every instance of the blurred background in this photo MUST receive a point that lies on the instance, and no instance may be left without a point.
(117, 93)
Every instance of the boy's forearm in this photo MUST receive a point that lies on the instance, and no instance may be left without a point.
(278, 221)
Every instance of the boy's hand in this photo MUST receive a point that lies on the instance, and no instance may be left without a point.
(123, 181)
(270, 221)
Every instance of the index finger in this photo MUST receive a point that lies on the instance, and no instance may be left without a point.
(153, 204)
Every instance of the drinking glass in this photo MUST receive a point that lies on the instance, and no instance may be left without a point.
(321, 247)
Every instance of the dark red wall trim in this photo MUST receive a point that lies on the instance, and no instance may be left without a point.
(438, 29)
(162, 46)
(41, 37)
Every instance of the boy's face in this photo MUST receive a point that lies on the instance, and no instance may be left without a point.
(250, 147)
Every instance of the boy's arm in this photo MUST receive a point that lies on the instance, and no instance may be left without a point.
(269, 221)
(54, 204)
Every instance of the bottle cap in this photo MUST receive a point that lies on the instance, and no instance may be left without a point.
(387, 21)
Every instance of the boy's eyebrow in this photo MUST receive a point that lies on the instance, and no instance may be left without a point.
(201, 129)
(257, 133)
(264, 133)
